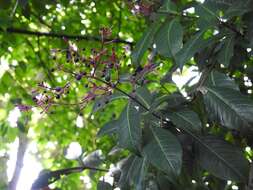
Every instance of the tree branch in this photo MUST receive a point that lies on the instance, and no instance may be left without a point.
(61, 35)
(23, 142)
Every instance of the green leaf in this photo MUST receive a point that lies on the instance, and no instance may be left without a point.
(222, 159)
(108, 128)
(229, 106)
(171, 101)
(238, 8)
(138, 172)
(144, 43)
(191, 47)
(207, 13)
(102, 185)
(169, 38)
(227, 51)
(186, 118)
(129, 130)
(143, 95)
(218, 79)
(168, 7)
(164, 151)
(133, 171)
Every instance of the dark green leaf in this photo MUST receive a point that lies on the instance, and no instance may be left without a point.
(222, 159)
(186, 118)
(227, 51)
(133, 171)
(229, 106)
(221, 80)
(164, 151)
(109, 128)
(171, 101)
(168, 7)
(143, 95)
(207, 13)
(238, 8)
(169, 38)
(129, 130)
(190, 48)
(144, 43)
(138, 172)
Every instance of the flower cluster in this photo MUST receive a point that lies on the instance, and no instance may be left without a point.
(99, 74)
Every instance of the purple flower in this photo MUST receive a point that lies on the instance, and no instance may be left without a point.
(23, 108)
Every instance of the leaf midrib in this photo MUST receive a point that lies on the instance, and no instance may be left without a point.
(162, 149)
(185, 118)
(128, 125)
(216, 154)
(228, 105)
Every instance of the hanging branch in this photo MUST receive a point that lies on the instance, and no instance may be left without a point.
(68, 36)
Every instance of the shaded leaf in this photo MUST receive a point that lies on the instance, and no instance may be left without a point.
(238, 8)
(229, 106)
(171, 101)
(138, 172)
(164, 151)
(168, 7)
(129, 130)
(218, 79)
(207, 13)
(144, 43)
(186, 118)
(169, 38)
(133, 171)
(108, 128)
(222, 159)
(227, 51)
(143, 95)
(190, 48)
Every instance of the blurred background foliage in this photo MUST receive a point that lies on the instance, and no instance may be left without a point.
(26, 60)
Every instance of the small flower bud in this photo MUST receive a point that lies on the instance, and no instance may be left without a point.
(79, 76)
(57, 96)
(58, 89)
